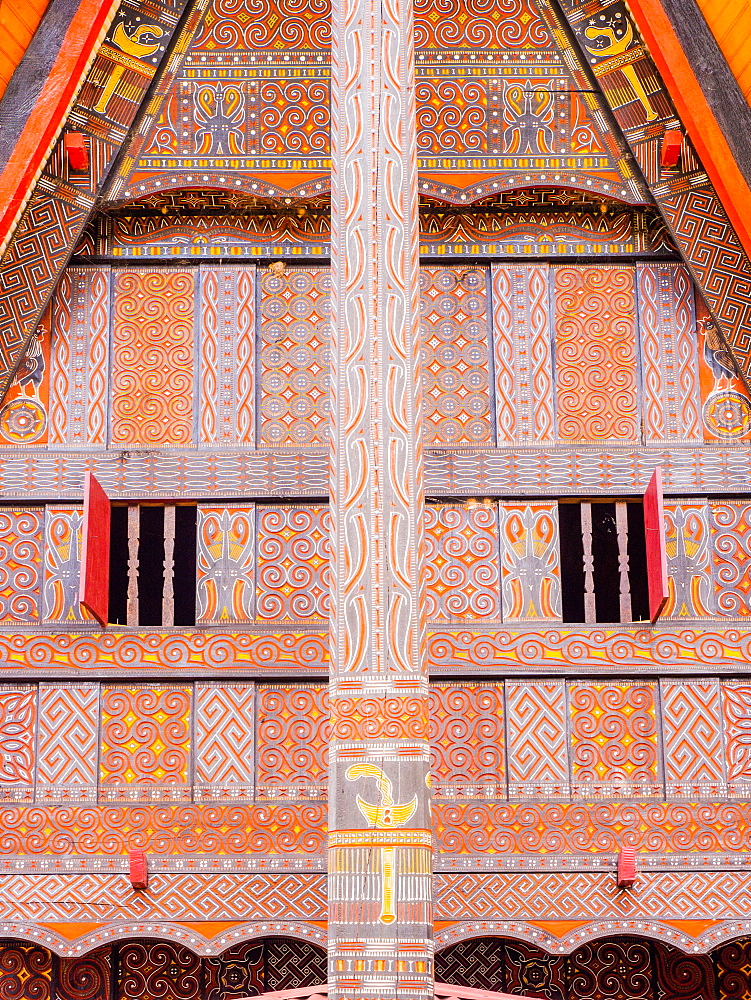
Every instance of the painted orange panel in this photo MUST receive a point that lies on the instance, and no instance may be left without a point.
(152, 377)
(595, 340)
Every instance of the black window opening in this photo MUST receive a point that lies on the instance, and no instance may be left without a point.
(153, 565)
(603, 562)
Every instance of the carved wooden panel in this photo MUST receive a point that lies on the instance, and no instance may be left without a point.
(687, 540)
(530, 561)
(477, 963)
(533, 972)
(80, 357)
(237, 972)
(467, 740)
(227, 359)
(88, 977)
(18, 713)
(24, 414)
(68, 743)
(294, 357)
(731, 556)
(225, 590)
(25, 971)
(292, 562)
(537, 739)
(293, 736)
(613, 739)
(736, 710)
(683, 977)
(595, 343)
(224, 742)
(145, 744)
(726, 404)
(292, 964)
(153, 365)
(454, 326)
(692, 739)
(669, 351)
(62, 564)
(20, 563)
(732, 962)
(523, 358)
(461, 561)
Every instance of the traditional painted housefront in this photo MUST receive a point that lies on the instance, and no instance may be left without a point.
(375, 520)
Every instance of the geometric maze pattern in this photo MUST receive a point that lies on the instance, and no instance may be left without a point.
(80, 742)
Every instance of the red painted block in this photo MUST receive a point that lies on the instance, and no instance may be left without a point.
(626, 867)
(93, 592)
(671, 147)
(657, 559)
(78, 154)
(138, 869)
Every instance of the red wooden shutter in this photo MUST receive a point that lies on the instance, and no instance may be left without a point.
(93, 592)
(657, 560)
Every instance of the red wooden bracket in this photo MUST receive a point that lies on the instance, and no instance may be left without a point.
(671, 147)
(626, 867)
(95, 550)
(78, 154)
(138, 869)
(657, 558)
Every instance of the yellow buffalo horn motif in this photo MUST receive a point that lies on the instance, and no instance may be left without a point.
(132, 44)
(387, 815)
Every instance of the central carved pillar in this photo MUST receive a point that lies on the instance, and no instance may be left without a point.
(380, 860)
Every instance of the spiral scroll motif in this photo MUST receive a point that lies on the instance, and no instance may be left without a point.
(20, 563)
(595, 341)
(152, 377)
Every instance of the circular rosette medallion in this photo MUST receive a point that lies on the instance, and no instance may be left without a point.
(23, 421)
(727, 414)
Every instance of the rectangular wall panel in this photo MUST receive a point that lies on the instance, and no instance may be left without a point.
(736, 711)
(293, 739)
(687, 541)
(227, 356)
(692, 739)
(461, 562)
(669, 352)
(467, 740)
(20, 564)
(292, 561)
(225, 564)
(731, 556)
(145, 744)
(595, 353)
(68, 742)
(225, 742)
(153, 364)
(537, 739)
(613, 740)
(454, 325)
(523, 357)
(80, 357)
(294, 355)
(530, 561)
(62, 564)
(18, 711)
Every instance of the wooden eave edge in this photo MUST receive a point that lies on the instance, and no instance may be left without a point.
(78, 49)
(696, 114)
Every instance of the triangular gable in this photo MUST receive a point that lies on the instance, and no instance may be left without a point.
(498, 95)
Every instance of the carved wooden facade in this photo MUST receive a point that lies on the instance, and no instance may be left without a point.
(318, 688)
